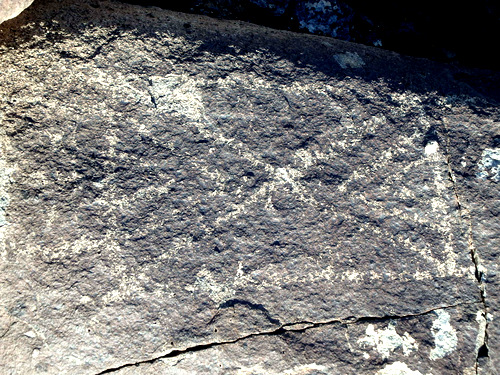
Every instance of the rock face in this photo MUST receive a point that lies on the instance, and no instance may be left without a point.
(11, 8)
(185, 195)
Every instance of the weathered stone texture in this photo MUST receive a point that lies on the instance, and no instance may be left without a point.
(200, 196)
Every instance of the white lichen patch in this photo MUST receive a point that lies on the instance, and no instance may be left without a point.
(397, 368)
(349, 60)
(489, 165)
(445, 336)
(387, 340)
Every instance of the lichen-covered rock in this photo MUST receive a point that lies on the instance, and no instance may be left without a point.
(185, 195)
(11, 8)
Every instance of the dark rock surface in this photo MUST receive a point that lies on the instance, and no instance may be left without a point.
(475, 161)
(185, 195)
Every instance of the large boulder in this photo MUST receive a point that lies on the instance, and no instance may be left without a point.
(11, 8)
(182, 195)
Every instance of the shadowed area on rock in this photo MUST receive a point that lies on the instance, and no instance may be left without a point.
(441, 30)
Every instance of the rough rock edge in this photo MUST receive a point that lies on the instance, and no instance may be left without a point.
(300, 326)
(479, 270)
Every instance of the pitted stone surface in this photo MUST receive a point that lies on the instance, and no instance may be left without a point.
(174, 186)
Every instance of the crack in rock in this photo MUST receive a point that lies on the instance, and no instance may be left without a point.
(479, 270)
(300, 326)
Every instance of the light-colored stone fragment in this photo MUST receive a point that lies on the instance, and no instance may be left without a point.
(12, 8)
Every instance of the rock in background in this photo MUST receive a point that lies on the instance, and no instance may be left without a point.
(443, 30)
(185, 195)
(11, 8)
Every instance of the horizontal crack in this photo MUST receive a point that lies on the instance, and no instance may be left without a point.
(300, 326)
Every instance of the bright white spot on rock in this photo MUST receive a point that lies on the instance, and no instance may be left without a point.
(35, 353)
(397, 368)
(239, 272)
(431, 148)
(445, 336)
(422, 275)
(85, 299)
(489, 165)
(388, 340)
(353, 275)
(30, 334)
(349, 60)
